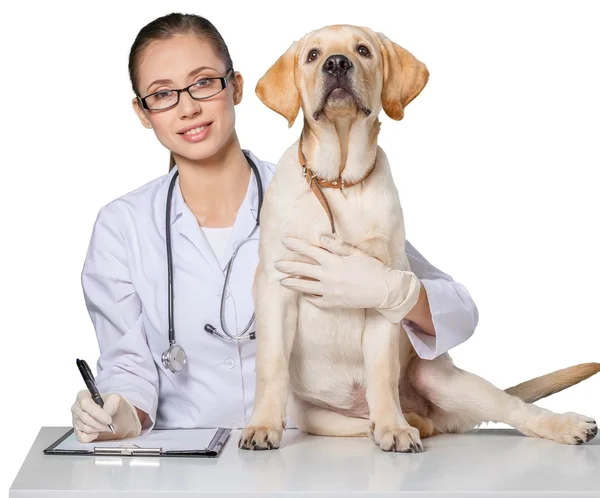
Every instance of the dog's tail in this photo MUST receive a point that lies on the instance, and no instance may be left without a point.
(541, 387)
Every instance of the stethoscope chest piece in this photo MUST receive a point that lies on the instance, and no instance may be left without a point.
(174, 359)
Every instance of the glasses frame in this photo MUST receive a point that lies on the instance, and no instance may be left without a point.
(224, 84)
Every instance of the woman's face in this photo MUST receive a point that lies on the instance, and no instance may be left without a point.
(194, 129)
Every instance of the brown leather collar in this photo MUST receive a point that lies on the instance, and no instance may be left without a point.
(316, 183)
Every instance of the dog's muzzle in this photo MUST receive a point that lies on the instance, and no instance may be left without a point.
(336, 70)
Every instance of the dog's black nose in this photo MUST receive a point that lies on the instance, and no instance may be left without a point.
(337, 65)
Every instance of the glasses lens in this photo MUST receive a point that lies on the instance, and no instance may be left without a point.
(206, 87)
(161, 100)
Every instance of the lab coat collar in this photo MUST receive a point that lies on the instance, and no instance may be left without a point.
(184, 221)
(245, 221)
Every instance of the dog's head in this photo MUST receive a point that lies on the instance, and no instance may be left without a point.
(342, 69)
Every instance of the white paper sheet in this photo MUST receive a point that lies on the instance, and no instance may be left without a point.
(168, 440)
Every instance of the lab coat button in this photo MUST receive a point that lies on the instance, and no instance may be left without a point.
(229, 362)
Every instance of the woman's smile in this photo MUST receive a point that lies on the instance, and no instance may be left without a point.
(197, 133)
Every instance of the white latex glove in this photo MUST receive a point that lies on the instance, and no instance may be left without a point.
(91, 422)
(344, 276)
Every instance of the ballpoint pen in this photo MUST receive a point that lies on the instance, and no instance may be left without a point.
(88, 378)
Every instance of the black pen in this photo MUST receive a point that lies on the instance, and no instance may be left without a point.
(88, 378)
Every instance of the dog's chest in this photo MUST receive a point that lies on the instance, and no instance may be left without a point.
(371, 222)
(327, 358)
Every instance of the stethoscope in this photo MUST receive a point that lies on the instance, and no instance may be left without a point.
(174, 358)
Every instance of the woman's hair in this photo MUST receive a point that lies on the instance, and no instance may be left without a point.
(168, 26)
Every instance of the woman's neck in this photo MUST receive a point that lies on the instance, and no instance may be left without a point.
(215, 187)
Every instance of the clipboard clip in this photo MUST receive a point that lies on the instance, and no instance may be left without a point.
(127, 449)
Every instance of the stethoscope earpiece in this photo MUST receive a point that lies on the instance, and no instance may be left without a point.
(174, 358)
(213, 331)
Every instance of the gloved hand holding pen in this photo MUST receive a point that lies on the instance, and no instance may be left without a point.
(90, 421)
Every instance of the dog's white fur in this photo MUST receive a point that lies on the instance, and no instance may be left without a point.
(350, 372)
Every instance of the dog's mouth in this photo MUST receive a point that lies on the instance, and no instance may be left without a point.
(338, 92)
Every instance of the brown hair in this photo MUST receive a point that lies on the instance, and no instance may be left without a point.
(168, 26)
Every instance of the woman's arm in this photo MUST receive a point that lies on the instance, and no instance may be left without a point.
(445, 314)
(437, 312)
(126, 365)
(420, 314)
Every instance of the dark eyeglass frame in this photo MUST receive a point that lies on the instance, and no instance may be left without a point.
(224, 83)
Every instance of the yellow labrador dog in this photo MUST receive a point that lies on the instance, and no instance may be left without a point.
(351, 372)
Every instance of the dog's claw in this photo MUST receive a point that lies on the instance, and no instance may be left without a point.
(591, 433)
(397, 439)
(260, 438)
(411, 449)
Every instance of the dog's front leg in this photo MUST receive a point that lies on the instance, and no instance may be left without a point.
(381, 349)
(276, 323)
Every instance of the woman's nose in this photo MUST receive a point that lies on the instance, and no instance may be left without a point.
(188, 107)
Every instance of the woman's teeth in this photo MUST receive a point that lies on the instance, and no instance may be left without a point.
(195, 131)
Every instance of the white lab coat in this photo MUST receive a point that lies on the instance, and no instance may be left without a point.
(124, 281)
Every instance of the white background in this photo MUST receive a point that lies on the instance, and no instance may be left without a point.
(496, 163)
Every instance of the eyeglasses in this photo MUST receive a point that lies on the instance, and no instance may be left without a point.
(202, 89)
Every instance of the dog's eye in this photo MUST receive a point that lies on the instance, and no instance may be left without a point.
(312, 55)
(364, 51)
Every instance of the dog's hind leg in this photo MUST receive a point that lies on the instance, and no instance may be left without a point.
(425, 425)
(322, 422)
(470, 400)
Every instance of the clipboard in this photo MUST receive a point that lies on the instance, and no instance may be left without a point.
(125, 449)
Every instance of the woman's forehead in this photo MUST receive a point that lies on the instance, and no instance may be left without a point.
(176, 57)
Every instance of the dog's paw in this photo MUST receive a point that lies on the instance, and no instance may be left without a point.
(565, 428)
(397, 439)
(260, 437)
(573, 428)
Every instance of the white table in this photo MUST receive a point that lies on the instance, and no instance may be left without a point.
(494, 462)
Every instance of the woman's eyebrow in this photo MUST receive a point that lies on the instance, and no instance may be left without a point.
(191, 73)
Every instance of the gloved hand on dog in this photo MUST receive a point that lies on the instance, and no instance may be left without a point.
(344, 276)
(91, 422)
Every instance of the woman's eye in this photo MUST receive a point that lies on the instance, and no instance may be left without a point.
(364, 51)
(202, 82)
(312, 55)
(165, 94)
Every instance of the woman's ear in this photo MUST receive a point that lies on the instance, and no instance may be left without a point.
(141, 114)
(238, 88)
(277, 89)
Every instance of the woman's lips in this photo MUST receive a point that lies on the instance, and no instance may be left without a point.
(196, 134)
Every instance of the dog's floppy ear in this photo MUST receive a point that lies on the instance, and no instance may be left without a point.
(403, 77)
(277, 88)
